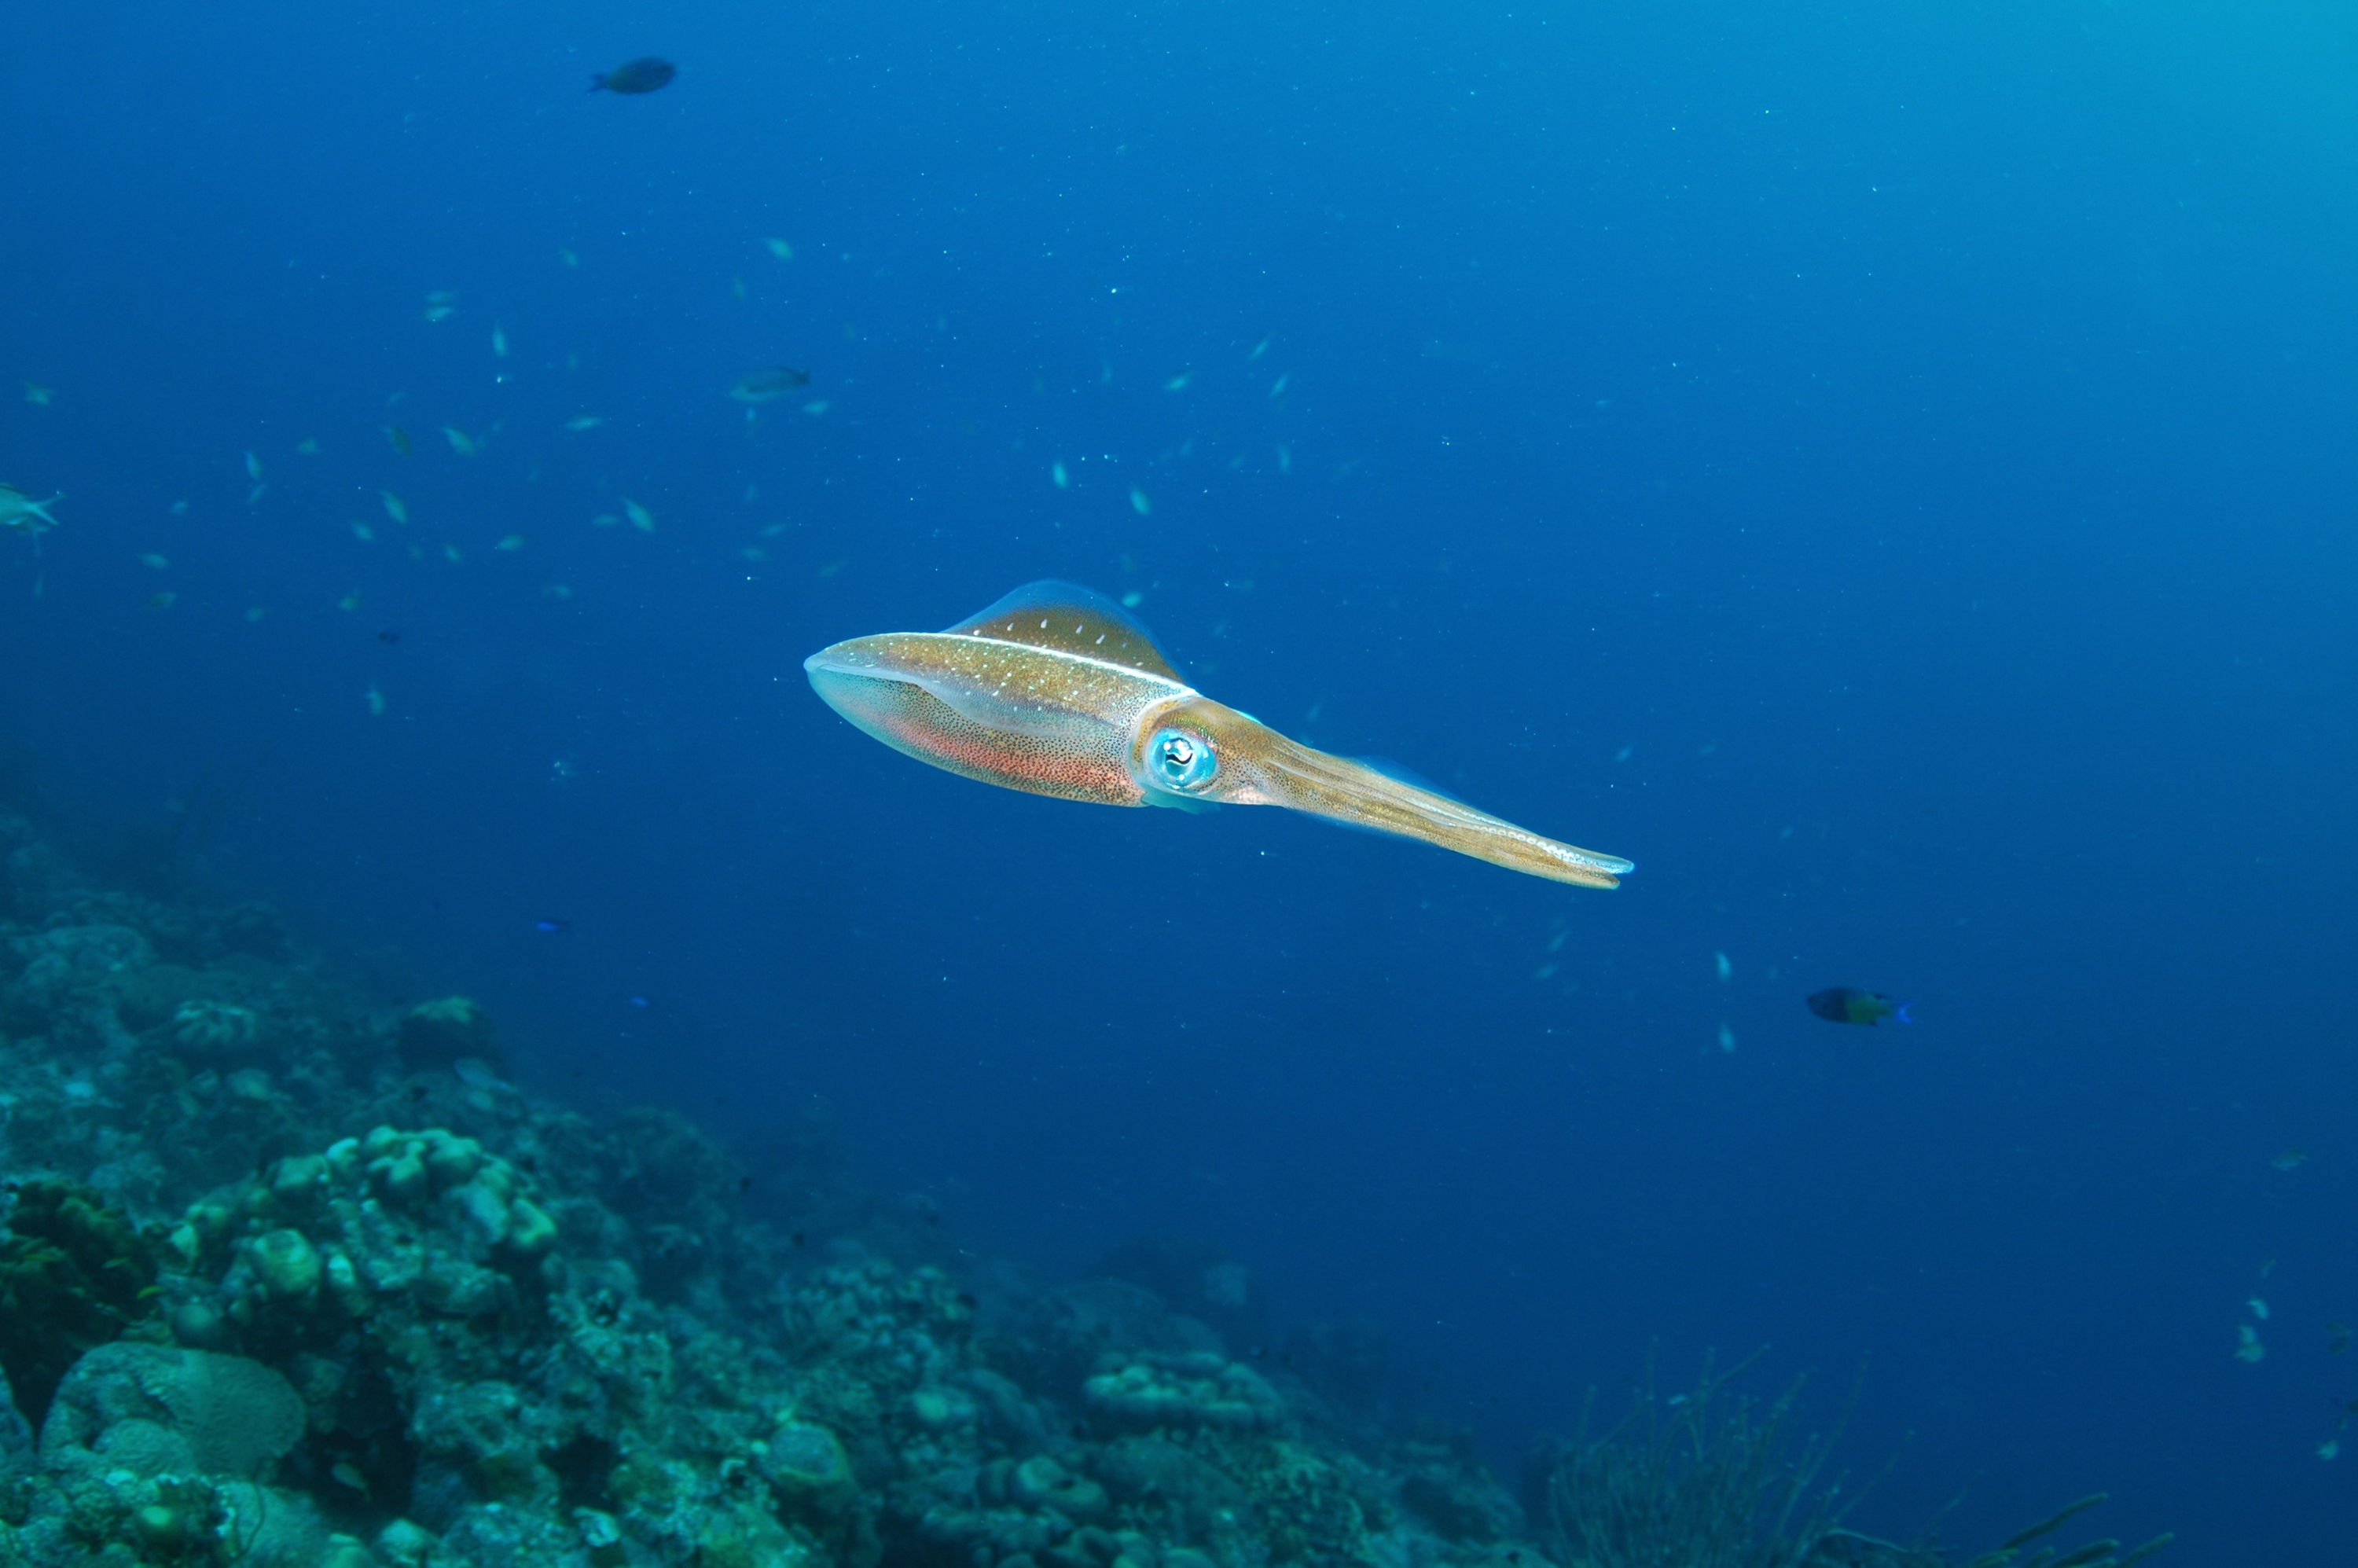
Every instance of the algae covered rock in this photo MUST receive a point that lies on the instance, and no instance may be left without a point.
(1041, 1483)
(806, 1462)
(76, 960)
(443, 1033)
(147, 997)
(16, 1452)
(1443, 1481)
(1196, 1278)
(1184, 1495)
(209, 1028)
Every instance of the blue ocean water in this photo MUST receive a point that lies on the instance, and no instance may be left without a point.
(1887, 474)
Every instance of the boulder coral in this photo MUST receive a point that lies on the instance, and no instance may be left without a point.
(1198, 1388)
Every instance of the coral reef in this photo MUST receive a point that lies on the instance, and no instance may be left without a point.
(292, 1279)
(288, 1278)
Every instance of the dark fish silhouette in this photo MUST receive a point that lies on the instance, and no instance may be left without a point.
(1848, 1004)
(648, 75)
(768, 386)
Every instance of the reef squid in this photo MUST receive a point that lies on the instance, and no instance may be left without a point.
(1057, 691)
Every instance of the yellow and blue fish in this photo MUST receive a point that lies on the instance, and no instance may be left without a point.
(1848, 1004)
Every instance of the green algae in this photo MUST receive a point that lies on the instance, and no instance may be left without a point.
(75, 1274)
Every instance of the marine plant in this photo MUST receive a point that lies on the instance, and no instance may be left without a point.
(74, 1273)
(2106, 1553)
(1851, 1549)
(1695, 1480)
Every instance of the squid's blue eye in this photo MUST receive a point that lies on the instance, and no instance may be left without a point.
(1180, 761)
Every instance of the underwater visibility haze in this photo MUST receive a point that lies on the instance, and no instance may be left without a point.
(1886, 473)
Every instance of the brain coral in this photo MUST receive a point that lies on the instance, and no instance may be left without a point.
(238, 1414)
(218, 1416)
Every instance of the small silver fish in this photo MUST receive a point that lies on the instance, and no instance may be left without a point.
(768, 386)
(26, 515)
(476, 1073)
